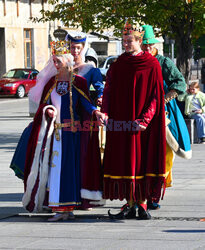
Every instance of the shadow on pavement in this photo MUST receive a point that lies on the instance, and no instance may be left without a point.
(11, 197)
(185, 231)
(9, 138)
(23, 217)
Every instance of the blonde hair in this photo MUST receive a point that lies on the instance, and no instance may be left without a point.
(68, 58)
(194, 85)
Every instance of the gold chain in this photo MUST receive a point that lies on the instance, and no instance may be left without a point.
(73, 128)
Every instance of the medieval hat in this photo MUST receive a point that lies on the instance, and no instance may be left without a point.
(76, 38)
(149, 37)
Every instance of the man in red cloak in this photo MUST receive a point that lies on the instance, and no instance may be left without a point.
(133, 100)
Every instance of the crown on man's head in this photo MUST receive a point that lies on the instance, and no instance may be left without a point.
(60, 47)
(130, 29)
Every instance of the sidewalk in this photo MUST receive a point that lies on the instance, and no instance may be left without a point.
(175, 226)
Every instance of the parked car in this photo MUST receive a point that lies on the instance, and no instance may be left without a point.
(18, 82)
(105, 64)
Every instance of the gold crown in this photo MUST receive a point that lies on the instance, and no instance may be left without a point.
(130, 29)
(61, 47)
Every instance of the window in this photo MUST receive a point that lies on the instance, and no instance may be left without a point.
(110, 61)
(33, 75)
(16, 73)
(28, 48)
(101, 48)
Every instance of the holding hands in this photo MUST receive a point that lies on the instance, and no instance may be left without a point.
(101, 117)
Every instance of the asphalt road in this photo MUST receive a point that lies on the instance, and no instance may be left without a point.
(175, 226)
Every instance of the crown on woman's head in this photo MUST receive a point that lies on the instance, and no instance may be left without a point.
(133, 30)
(60, 47)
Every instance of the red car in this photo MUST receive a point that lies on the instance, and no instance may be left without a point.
(18, 82)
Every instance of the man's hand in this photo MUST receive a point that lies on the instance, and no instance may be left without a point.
(101, 117)
(99, 102)
(138, 126)
(170, 95)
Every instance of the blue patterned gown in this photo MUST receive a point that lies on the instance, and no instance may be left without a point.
(64, 177)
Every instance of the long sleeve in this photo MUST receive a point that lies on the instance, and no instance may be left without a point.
(106, 94)
(89, 107)
(185, 97)
(97, 82)
(202, 101)
(171, 75)
(182, 97)
(188, 101)
(148, 114)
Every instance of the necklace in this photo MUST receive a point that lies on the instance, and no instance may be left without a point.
(73, 128)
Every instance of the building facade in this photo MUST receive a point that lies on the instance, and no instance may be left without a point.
(23, 43)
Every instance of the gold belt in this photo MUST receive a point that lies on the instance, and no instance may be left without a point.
(62, 125)
(58, 126)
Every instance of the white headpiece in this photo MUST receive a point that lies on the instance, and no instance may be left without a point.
(44, 76)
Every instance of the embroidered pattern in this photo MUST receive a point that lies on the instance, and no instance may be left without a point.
(62, 87)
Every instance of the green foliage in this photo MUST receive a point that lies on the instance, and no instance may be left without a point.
(201, 42)
(181, 20)
(173, 17)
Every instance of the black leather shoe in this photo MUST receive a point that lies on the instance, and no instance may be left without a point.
(152, 205)
(143, 214)
(126, 213)
(131, 213)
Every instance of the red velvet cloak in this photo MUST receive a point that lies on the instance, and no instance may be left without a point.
(134, 161)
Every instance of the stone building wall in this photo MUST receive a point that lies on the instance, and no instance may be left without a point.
(14, 20)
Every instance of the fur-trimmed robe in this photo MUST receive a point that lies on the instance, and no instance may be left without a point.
(39, 153)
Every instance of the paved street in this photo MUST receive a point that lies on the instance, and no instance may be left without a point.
(175, 226)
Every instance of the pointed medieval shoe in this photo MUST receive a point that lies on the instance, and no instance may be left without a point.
(152, 205)
(125, 213)
(131, 213)
(143, 213)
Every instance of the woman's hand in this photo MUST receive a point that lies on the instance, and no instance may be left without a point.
(50, 113)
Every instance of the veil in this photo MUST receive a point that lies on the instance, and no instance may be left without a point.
(44, 76)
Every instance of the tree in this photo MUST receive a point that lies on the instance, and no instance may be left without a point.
(181, 20)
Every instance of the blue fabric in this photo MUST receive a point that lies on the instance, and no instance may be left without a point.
(200, 124)
(177, 125)
(19, 158)
(94, 77)
(70, 180)
(75, 39)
